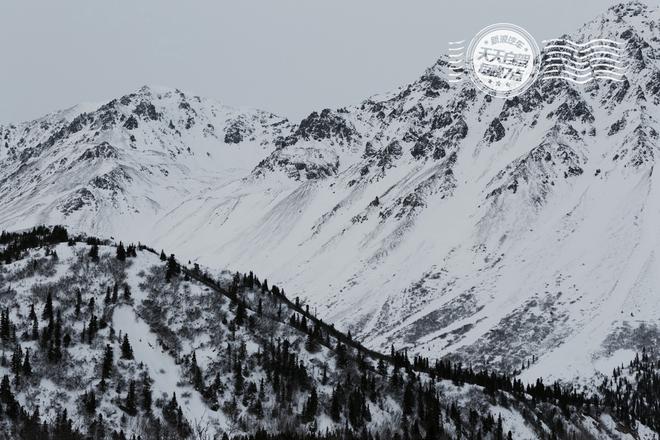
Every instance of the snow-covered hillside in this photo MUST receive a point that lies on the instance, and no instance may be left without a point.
(433, 217)
(116, 342)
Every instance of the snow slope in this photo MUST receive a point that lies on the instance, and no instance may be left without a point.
(175, 327)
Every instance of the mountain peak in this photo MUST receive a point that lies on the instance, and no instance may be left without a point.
(630, 8)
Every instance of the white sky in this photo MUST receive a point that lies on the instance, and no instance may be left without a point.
(286, 56)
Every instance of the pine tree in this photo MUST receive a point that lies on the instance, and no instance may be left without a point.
(311, 344)
(499, 432)
(240, 314)
(311, 406)
(115, 293)
(94, 252)
(335, 404)
(126, 349)
(32, 315)
(172, 269)
(92, 328)
(408, 399)
(17, 360)
(239, 381)
(341, 356)
(48, 308)
(163, 257)
(5, 325)
(89, 399)
(196, 373)
(6, 395)
(130, 403)
(121, 252)
(146, 395)
(27, 368)
(106, 365)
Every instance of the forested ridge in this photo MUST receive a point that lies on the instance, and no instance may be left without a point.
(278, 371)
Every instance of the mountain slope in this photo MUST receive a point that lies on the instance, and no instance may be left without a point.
(112, 342)
(433, 217)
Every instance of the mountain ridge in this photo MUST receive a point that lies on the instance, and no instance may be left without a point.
(128, 344)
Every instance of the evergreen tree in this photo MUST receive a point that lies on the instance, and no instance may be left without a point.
(146, 395)
(89, 400)
(27, 368)
(17, 360)
(121, 252)
(341, 356)
(5, 325)
(499, 432)
(408, 399)
(130, 402)
(94, 252)
(311, 406)
(32, 315)
(6, 395)
(126, 349)
(311, 344)
(196, 373)
(92, 328)
(240, 314)
(106, 365)
(239, 381)
(335, 404)
(172, 268)
(48, 308)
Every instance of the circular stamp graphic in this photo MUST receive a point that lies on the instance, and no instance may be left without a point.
(503, 60)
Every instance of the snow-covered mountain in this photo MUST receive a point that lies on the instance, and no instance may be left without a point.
(129, 161)
(433, 217)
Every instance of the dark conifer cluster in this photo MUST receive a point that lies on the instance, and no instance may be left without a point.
(633, 393)
(15, 243)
